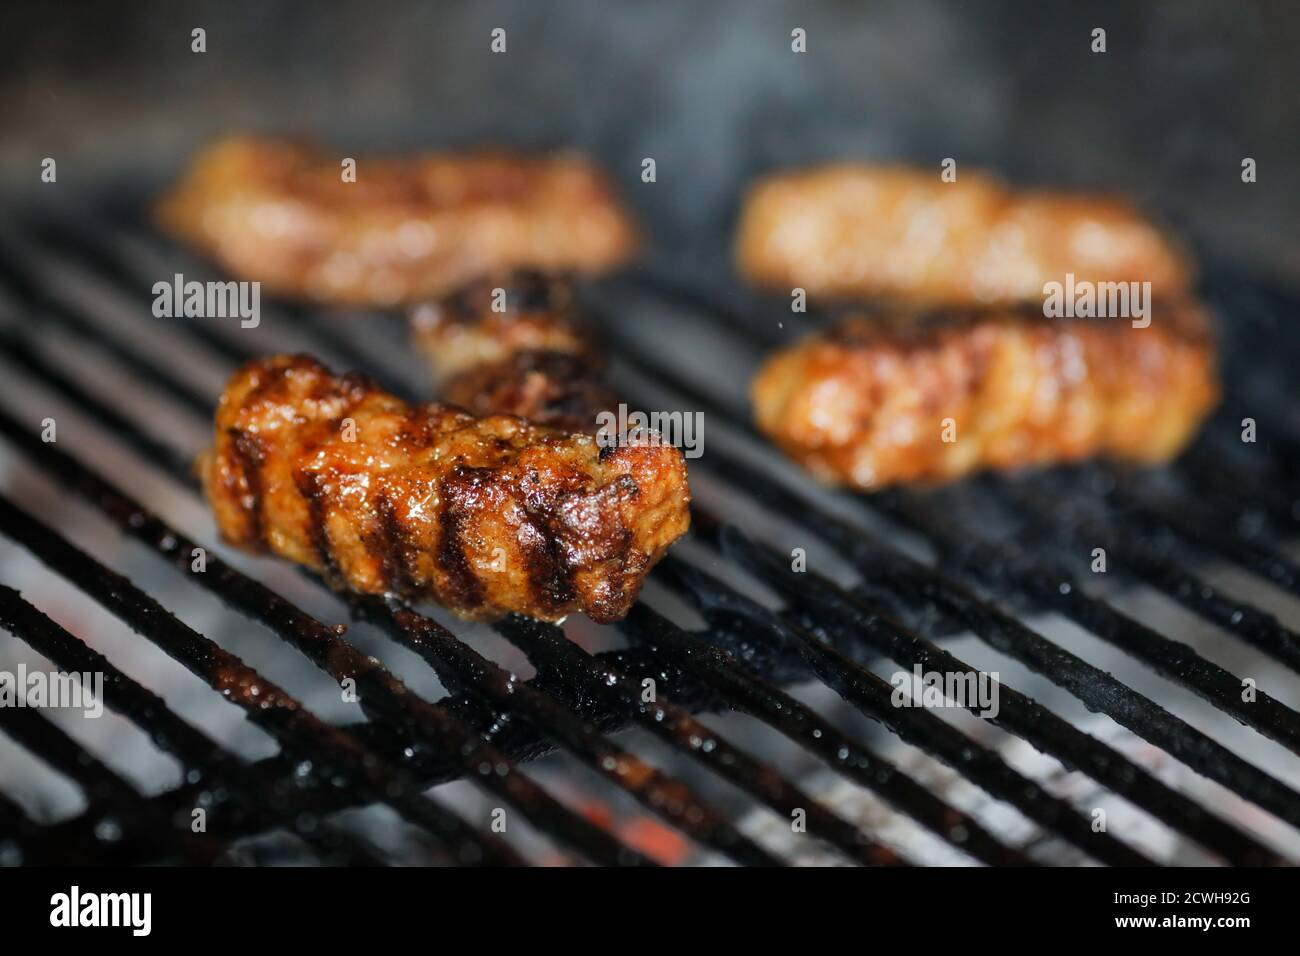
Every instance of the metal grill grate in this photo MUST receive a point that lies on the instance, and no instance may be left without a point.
(1003, 550)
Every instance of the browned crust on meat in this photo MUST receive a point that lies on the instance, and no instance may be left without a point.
(558, 389)
(407, 228)
(516, 344)
(484, 515)
(851, 231)
(492, 320)
(864, 403)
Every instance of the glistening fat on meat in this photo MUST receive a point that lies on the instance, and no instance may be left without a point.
(484, 515)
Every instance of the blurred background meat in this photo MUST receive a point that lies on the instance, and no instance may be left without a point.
(712, 92)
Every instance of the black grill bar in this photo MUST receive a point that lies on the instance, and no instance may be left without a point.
(223, 775)
(20, 831)
(379, 692)
(962, 831)
(1005, 566)
(33, 364)
(1286, 449)
(386, 699)
(1197, 526)
(755, 696)
(115, 803)
(269, 706)
(825, 607)
(317, 796)
(1255, 500)
(323, 335)
(106, 257)
(731, 315)
(461, 667)
(548, 648)
(918, 585)
(16, 279)
(1153, 566)
(871, 695)
(915, 584)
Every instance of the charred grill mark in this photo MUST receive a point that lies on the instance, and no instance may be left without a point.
(632, 565)
(567, 390)
(464, 588)
(309, 486)
(592, 519)
(250, 455)
(576, 392)
(526, 290)
(537, 292)
(560, 389)
(283, 478)
(395, 553)
(546, 563)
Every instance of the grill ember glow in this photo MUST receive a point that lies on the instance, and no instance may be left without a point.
(822, 637)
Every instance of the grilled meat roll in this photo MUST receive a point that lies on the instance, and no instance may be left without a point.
(484, 515)
(865, 402)
(498, 316)
(558, 389)
(406, 229)
(904, 236)
(515, 344)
